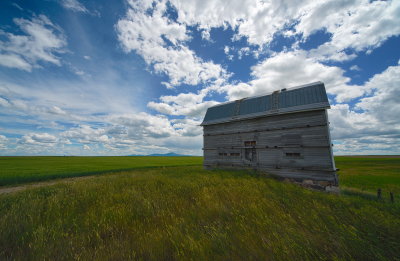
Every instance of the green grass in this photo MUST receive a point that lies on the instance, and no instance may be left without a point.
(369, 174)
(17, 170)
(187, 213)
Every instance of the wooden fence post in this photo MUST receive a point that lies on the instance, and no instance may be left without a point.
(379, 193)
(391, 197)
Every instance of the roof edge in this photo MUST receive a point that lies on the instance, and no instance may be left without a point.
(269, 93)
(301, 108)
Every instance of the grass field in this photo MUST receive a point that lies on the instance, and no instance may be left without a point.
(187, 213)
(369, 173)
(17, 170)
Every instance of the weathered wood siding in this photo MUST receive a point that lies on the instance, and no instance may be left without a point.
(294, 145)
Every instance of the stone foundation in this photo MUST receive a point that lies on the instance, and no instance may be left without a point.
(316, 185)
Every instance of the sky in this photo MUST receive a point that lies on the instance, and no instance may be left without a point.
(136, 77)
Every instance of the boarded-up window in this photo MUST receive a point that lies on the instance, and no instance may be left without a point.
(293, 154)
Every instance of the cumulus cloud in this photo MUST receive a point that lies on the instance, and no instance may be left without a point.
(41, 42)
(3, 142)
(161, 43)
(355, 25)
(39, 138)
(373, 125)
(188, 104)
(101, 124)
(289, 69)
(188, 127)
(255, 20)
(384, 103)
(138, 133)
(359, 24)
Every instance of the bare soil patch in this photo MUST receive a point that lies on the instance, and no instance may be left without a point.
(6, 190)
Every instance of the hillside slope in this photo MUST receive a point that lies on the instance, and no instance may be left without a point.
(187, 213)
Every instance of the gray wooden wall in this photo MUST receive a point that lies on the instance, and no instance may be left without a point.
(294, 145)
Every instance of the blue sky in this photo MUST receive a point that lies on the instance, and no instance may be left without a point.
(136, 77)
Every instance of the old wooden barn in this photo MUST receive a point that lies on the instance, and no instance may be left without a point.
(285, 133)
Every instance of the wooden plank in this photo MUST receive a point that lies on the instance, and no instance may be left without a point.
(286, 144)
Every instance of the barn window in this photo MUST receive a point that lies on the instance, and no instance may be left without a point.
(234, 154)
(293, 154)
(223, 154)
(250, 143)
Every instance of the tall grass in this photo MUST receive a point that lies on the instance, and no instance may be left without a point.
(186, 213)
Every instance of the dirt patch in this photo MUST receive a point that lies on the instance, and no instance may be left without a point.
(13, 189)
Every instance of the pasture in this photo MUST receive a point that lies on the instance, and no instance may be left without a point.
(187, 213)
(17, 170)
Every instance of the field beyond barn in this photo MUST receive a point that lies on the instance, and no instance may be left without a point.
(160, 209)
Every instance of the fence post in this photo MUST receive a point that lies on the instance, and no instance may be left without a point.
(379, 193)
(391, 197)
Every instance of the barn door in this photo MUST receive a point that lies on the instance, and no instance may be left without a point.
(250, 152)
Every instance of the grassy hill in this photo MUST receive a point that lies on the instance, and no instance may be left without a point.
(187, 213)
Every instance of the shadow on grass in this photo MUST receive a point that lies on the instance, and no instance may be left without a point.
(358, 193)
(385, 198)
(14, 181)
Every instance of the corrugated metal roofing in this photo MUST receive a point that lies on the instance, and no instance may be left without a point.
(307, 97)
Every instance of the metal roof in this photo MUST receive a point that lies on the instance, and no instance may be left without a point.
(302, 98)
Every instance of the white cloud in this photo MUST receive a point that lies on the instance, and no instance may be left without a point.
(227, 50)
(39, 139)
(373, 126)
(17, 6)
(358, 25)
(243, 52)
(384, 103)
(355, 68)
(188, 104)
(74, 5)
(205, 34)
(14, 61)
(40, 43)
(3, 142)
(160, 41)
(239, 90)
(98, 111)
(295, 68)
(188, 127)
(144, 125)
(139, 133)
(256, 20)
